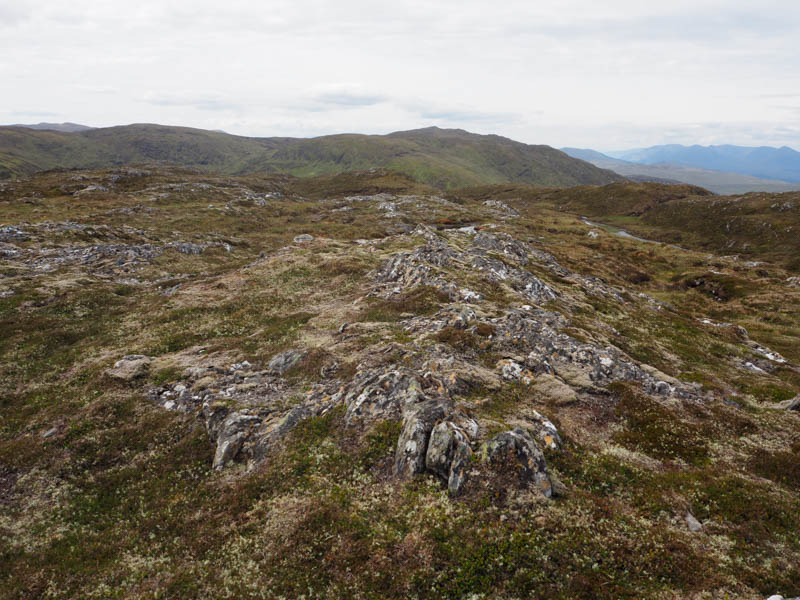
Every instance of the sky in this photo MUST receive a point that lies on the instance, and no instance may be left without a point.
(605, 75)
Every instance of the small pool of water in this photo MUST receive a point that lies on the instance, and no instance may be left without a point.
(618, 231)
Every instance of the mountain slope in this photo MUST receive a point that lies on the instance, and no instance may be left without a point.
(766, 162)
(441, 157)
(717, 181)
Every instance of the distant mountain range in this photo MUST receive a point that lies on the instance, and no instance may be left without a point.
(63, 127)
(766, 162)
(719, 181)
(446, 158)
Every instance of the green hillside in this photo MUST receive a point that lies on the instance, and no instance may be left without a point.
(761, 226)
(756, 226)
(441, 157)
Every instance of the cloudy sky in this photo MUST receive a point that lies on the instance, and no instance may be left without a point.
(606, 75)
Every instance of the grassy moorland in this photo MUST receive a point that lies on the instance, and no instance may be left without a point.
(108, 491)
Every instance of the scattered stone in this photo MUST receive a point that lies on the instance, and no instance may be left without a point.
(502, 206)
(285, 361)
(187, 247)
(303, 238)
(130, 367)
(791, 404)
(10, 233)
(692, 523)
(50, 432)
(171, 290)
(328, 371)
(92, 188)
(662, 388)
(767, 353)
(754, 368)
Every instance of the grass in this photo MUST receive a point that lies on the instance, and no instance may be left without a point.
(658, 431)
(421, 300)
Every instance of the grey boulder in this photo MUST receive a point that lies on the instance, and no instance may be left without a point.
(285, 361)
(129, 367)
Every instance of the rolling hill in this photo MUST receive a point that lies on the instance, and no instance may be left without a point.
(717, 181)
(446, 158)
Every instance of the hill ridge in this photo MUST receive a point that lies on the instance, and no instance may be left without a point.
(446, 158)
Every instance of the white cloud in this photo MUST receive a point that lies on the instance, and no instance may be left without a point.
(577, 72)
(190, 99)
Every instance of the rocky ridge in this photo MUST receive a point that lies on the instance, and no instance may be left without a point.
(248, 411)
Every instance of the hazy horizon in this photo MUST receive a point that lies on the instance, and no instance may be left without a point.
(607, 77)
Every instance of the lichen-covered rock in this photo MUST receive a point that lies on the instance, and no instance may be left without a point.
(543, 430)
(518, 251)
(581, 365)
(381, 394)
(231, 434)
(274, 428)
(412, 446)
(130, 367)
(517, 451)
(449, 455)
(496, 271)
(511, 370)
(422, 266)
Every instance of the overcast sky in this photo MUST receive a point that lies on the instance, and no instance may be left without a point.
(604, 75)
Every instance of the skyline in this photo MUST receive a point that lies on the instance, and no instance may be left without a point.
(605, 77)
